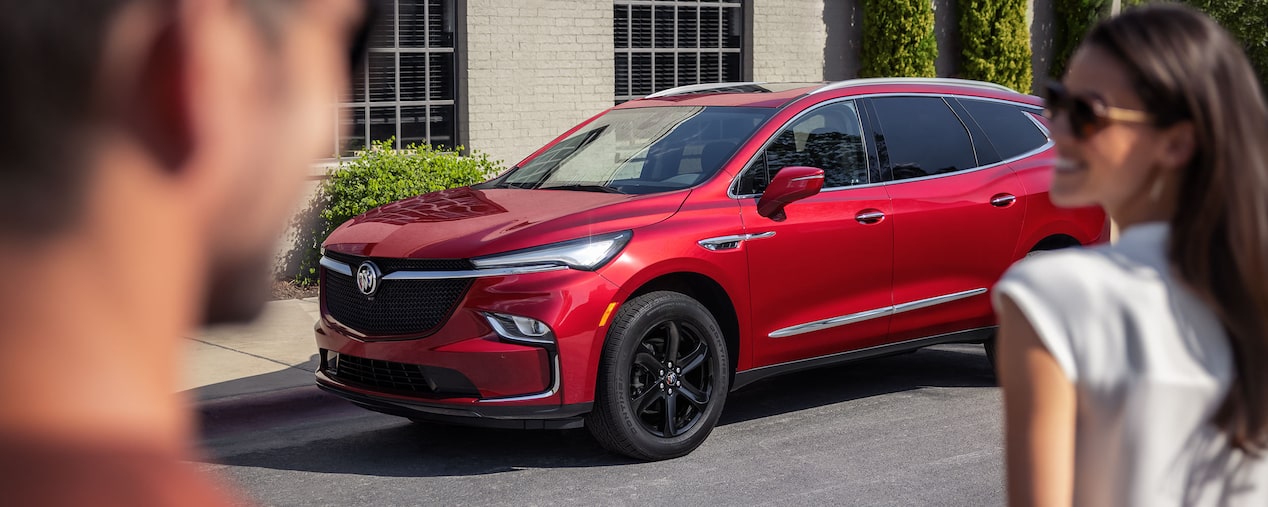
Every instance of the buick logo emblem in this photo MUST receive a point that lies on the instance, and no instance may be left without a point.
(368, 278)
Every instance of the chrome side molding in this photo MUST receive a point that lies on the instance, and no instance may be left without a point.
(852, 318)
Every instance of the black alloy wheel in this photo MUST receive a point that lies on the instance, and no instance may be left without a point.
(670, 384)
(663, 378)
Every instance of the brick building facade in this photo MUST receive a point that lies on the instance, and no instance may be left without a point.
(506, 76)
(533, 70)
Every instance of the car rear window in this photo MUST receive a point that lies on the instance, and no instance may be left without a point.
(1009, 130)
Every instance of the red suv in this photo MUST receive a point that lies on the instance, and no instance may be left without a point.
(635, 270)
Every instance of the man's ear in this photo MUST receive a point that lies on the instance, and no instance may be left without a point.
(162, 100)
(145, 79)
(1180, 145)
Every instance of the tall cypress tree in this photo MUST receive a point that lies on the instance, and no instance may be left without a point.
(898, 39)
(996, 42)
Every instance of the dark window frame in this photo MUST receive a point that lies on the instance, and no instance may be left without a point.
(437, 80)
(733, 54)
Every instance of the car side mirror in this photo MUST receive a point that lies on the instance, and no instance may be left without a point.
(789, 185)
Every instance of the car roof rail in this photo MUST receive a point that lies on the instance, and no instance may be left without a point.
(849, 83)
(703, 87)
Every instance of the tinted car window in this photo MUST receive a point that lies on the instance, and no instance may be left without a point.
(1007, 126)
(829, 137)
(923, 137)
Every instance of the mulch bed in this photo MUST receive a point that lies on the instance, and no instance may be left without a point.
(291, 290)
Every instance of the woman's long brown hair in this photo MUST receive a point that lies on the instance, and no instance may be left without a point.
(1187, 68)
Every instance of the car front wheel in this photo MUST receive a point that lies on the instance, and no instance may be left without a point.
(663, 378)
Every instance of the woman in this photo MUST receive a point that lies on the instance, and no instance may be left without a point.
(1137, 374)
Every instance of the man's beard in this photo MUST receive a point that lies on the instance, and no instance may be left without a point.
(237, 289)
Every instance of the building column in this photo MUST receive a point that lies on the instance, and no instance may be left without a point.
(789, 39)
(534, 69)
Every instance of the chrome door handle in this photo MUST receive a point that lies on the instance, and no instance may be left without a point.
(869, 217)
(1003, 200)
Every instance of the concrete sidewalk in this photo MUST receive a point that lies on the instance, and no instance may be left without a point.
(275, 352)
(246, 375)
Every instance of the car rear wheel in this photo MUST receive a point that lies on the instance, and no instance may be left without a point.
(663, 378)
(989, 345)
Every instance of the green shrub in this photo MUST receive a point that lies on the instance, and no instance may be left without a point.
(996, 42)
(1248, 22)
(1071, 21)
(377, 176)
(898, 39)
(382, 175)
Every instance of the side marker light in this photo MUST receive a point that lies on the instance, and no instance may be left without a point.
(607, 314)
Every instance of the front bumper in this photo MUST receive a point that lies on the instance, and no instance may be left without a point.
(465, 372)
(491, 416)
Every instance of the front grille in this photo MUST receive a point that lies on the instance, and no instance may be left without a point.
(400, 378)
(398, 307)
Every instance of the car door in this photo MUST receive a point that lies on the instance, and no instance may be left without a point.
(955, 216)
(819, 276)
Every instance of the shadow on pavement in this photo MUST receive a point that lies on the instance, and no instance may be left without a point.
(942, 366)
(393, 447)
(286, 377)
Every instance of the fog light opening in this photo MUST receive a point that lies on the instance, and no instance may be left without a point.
(516, 328)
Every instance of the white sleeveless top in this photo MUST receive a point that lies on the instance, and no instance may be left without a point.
(1150, 364)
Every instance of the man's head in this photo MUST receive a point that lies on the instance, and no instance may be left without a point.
(225, 101)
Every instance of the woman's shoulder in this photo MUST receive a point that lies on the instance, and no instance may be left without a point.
(1061, 294)
(1067, 271)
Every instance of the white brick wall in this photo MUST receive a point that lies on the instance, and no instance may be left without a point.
(535, 68)
(788, 40)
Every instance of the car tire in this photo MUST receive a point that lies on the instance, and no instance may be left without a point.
(989, 345)
(663, 378)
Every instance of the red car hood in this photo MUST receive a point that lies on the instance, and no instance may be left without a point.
(464, 222)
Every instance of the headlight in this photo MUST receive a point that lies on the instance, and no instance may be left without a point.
(586, 254)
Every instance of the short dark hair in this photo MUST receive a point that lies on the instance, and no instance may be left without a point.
(49, 57)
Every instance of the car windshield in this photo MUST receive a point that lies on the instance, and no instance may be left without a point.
(641, 150)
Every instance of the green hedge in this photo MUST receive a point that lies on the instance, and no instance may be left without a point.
(898, 39)
(1246, 20)
(377, 176)
(1071, 21)
(995, 39)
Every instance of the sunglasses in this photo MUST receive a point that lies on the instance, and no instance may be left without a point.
(1087, 115)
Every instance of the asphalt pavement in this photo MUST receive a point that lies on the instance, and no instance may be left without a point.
(247, 377)
(914, 429)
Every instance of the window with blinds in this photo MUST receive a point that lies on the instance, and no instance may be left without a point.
(661, 44)
(406, 89)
